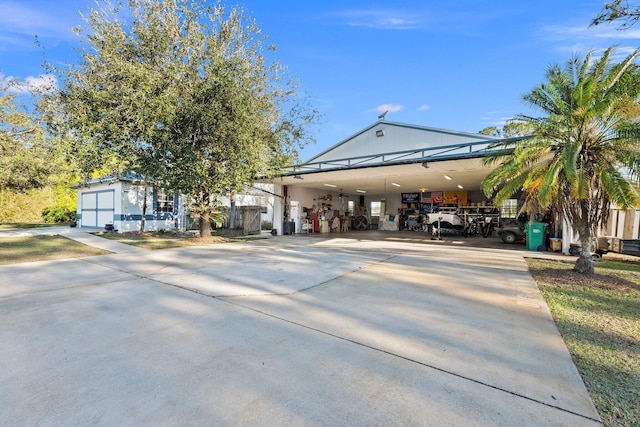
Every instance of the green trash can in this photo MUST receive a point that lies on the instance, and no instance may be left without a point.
(535, 235)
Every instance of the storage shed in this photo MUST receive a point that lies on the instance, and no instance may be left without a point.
(118, 202)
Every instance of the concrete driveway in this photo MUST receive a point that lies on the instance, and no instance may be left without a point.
(290, 330)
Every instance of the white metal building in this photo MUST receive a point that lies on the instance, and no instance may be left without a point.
(379, 164)
(377, 169)
(385, 164)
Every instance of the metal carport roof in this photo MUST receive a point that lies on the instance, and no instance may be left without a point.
(425, 159)
(394, 178)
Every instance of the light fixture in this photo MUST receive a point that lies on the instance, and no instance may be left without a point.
(460, 186)
(447, 177)
(425, 164)
(330, 185)
(297, 177)
(395, 184)
(379, 133)
(360, 191)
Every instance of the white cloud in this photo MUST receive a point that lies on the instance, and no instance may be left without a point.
(496, 118)
(18, 42)
(583, 39)
(560, 32)
(503, 121)
(424, 107)
(392, 108)
(20, 22)
(620, 53)
(382, 19)
(426, 15)
(30, 84)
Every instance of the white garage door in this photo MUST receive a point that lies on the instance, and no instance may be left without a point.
(98, 208)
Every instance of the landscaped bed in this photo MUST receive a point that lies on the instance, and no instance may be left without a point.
(159, 240)
(599, 319)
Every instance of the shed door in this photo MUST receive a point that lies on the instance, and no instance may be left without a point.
(251, 219)
(98, 208)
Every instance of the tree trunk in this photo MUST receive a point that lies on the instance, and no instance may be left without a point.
(144, 209)
(205, 225)
(584, 264)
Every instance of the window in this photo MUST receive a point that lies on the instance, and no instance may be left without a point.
(509, 208)
(375, 208)
(164, 202)
(351, 206)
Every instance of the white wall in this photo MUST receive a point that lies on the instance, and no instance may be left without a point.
(127, 201)
(401, 137)
(132, 200)
(258, 198)
(127, 208)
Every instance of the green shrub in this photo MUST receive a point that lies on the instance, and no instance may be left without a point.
(58, 214)
(267, 225)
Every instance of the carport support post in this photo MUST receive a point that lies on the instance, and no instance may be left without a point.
(278, 207)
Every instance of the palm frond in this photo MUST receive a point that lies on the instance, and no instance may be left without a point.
(584, 150)
(619, 70)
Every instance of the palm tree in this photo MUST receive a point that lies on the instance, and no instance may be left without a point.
(583, 154)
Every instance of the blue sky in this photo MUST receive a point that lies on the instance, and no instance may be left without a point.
(460, 65)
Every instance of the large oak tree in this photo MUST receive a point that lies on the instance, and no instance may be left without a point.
(185, 95)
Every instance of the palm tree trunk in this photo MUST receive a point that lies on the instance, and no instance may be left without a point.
(584, 264)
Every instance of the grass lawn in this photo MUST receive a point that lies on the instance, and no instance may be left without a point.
(14, 250)
(21, 225)
(166, 240)
(599, 319)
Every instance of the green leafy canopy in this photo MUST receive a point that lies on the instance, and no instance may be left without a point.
(184, 94)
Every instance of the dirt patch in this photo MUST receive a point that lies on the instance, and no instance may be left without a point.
(566, 276)
(208, 240)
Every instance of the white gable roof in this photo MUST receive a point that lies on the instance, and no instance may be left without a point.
(388, 137)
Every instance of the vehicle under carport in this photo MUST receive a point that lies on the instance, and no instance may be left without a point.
(361, 170)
